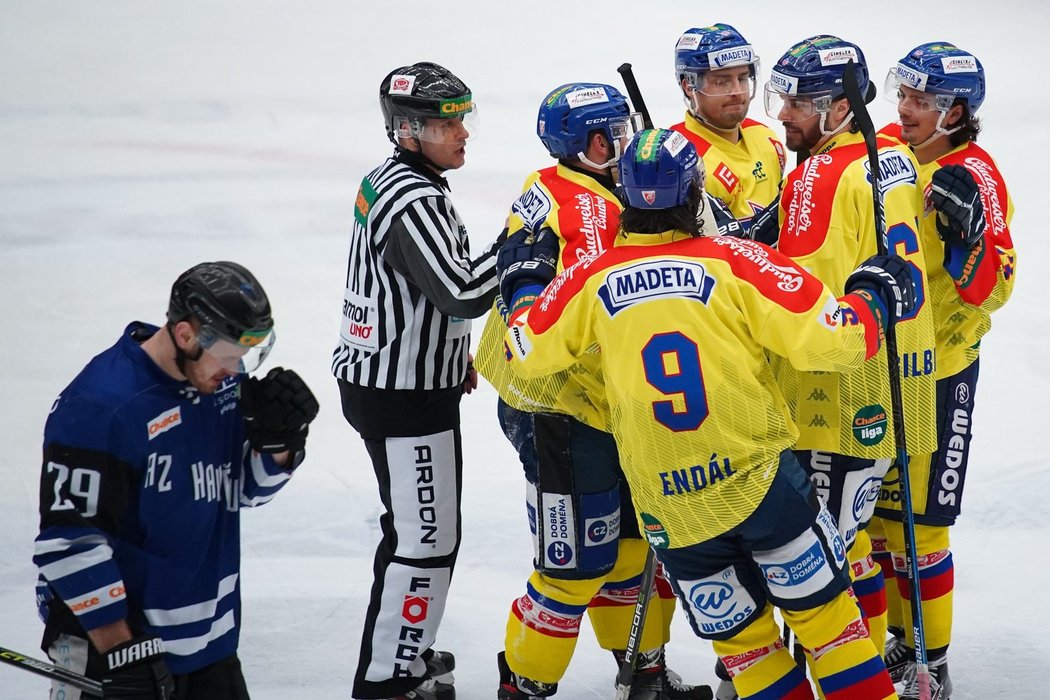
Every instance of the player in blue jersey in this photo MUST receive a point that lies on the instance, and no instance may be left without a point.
(148, 456)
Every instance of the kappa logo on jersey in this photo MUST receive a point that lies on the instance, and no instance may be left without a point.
(532, 206)
(164, 422)
(651, 280)
(895, 169)
(724, 175)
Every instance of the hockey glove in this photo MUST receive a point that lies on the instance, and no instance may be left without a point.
(889, 278)
(136, 670)
(960, 213)
(526, 263)
(765, 225)
(277, 411)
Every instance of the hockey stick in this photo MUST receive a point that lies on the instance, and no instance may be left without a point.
(51, 671)
(645, 588)
(860, 113)
(629, 81)
(641, 608)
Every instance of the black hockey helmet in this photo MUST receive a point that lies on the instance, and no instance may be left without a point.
(230, 305)
(422, 91)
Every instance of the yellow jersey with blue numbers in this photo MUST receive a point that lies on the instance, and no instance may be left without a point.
(745, 175)
(827, 225)
(681, 327)
(585, 215)
(966, 286)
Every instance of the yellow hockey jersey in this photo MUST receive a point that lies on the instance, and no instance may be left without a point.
(682, 325)
(585, 215)
(827, 225)
(745, 175)
(969, 285)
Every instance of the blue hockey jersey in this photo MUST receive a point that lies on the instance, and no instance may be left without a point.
(143, 478)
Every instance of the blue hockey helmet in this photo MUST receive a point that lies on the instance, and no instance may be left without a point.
(710, 48)
(658, 169)
(815, 66)
(940, 69)
(569, 113)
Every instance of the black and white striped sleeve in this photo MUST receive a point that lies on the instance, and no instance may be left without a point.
(424, 245)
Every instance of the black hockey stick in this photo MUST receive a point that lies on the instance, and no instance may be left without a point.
(645, 588)
(867, 129)
(645, 593)
(51, 671)
(627, 73)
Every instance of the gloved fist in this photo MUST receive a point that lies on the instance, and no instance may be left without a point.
(527, 260)
(960, 212)
(889, 277)
(135, 670)
(765, 225)
(277, 411)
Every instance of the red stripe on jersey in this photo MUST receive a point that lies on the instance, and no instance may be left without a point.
(877, 686)
(699, 142)
(873, 330)
(567, 631)
(808, 197)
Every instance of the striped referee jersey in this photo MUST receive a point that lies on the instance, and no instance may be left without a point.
(411, 286)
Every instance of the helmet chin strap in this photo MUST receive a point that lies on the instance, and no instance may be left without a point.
(181, 355)
(611, 163)
(825, 134)
(938, 131)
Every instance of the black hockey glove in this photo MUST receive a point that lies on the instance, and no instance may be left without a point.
(277, 411)
(135, 670)
(765, 225)
(960, 213)
(888, 276)
(525, 260)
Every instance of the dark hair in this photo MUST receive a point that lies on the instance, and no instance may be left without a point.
(682, 217)
(970, 126)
